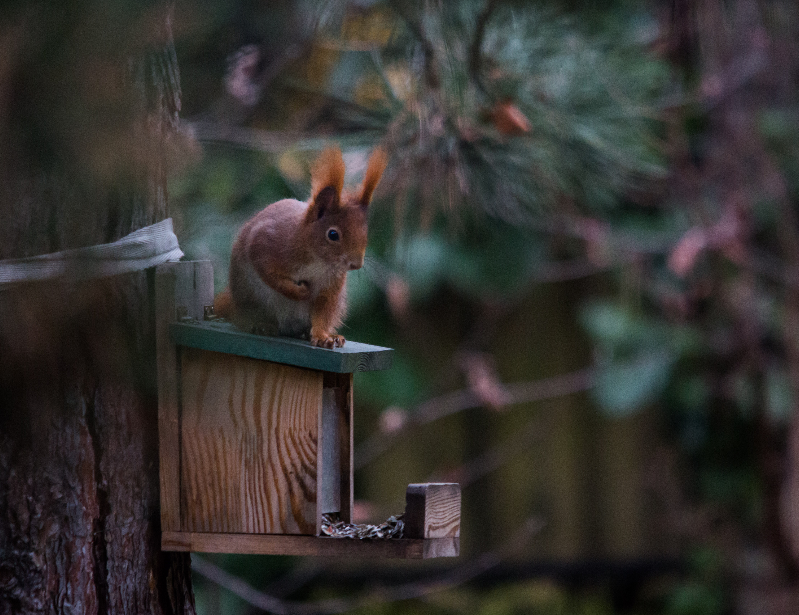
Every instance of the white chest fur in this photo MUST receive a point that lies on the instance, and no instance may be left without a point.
(277, 314)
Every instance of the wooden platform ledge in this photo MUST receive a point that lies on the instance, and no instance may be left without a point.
(224, 337)
(432, 529)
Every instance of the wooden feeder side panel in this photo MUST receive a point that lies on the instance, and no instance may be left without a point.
(250, 442)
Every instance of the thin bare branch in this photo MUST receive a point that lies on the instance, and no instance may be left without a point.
(269, 141)
(457, 401)
(456, 576)
(259, 599)
(431, 70)
(535, 430)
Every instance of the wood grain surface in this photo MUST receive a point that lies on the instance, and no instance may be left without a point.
(250, 435)
(433, 510)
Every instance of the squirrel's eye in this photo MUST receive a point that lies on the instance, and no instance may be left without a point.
(333, 235)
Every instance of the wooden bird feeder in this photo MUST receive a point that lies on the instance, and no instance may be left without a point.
(256, 438)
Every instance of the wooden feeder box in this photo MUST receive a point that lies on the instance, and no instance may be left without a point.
(256, 438)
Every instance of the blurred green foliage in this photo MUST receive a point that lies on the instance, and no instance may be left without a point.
(539, 142)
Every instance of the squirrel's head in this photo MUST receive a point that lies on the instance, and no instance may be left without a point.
(337, 220)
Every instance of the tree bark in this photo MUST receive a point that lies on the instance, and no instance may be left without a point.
(89, 98)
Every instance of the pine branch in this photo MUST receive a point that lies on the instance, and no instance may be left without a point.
(475, 50)
(431, 70)
(458, 401)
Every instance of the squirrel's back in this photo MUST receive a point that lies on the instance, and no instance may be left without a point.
(267, 241)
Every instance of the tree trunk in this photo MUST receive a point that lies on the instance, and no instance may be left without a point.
(89, 97)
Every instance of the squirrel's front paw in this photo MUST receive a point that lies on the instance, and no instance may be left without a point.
(324, 340)
(303, 290)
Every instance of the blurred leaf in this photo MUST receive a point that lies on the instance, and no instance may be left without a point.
(695, 599)
(219, 182)
(706, 562)
(208, 234)
(361, 291)
(693, 393)
(622, 333)
(776, 124)
(402, 385)
(779, 395)
(745, 394)
(735, 488)
(423, 261)
(623, 388)
(607, 323)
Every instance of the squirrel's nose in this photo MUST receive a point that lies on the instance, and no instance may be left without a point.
(356, 264)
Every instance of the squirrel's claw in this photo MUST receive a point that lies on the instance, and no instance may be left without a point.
(328, 341)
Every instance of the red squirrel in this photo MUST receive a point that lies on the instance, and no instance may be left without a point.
(290, 261)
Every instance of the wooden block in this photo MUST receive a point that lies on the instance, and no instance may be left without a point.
(441, 547)
(250, 433)
(433, 510)
(325, 546)
(186, 287)
(224, 337)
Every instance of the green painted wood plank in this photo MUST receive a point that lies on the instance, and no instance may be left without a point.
(224, 337)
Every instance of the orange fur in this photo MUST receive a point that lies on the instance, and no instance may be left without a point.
(328, 170)
(374, 171)
(327, 313)
(287, 275)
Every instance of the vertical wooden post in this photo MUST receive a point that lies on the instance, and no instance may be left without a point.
(336, 443)
(330, 444)
(180, 288)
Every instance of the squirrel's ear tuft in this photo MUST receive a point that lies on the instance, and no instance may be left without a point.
(327, 181)
(374, 171)
(328, 172)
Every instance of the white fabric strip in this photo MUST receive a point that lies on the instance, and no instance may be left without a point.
(143, 248)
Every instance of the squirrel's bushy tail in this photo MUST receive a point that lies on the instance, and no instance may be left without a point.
(223, 304)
